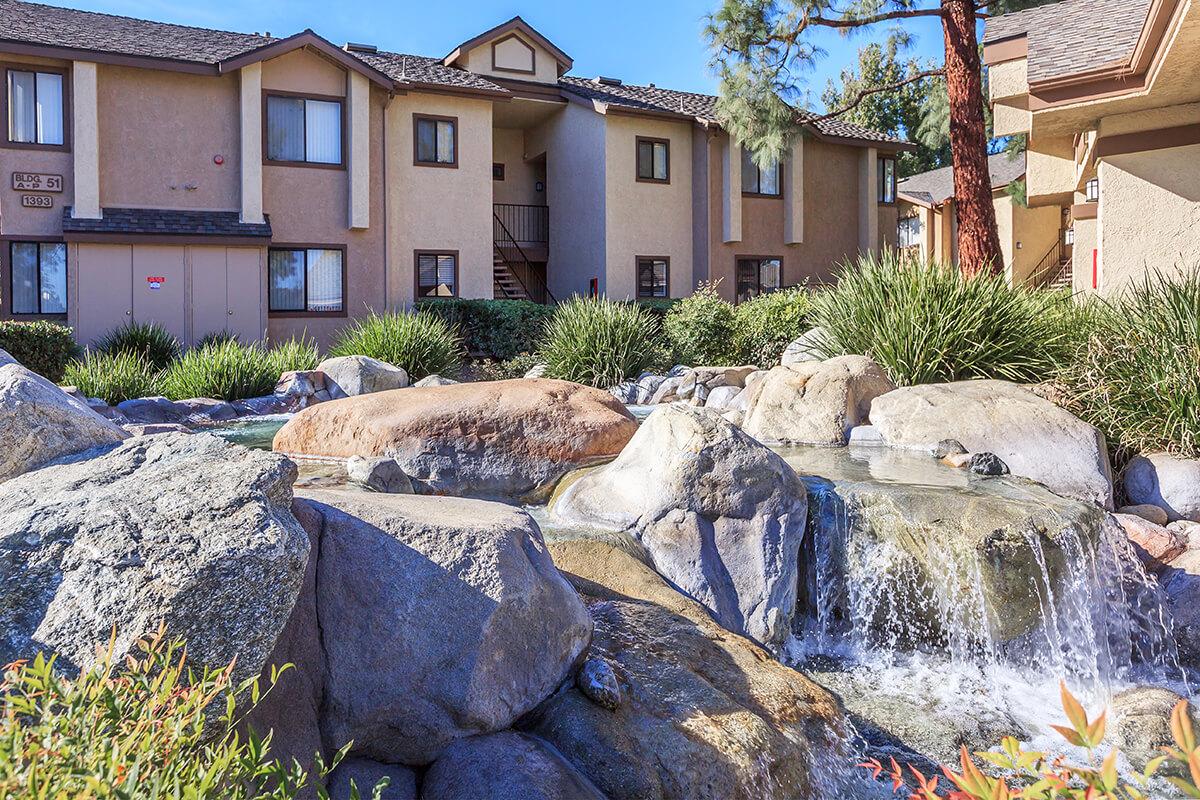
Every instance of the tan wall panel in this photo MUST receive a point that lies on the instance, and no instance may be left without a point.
(103, 289)
(479, 61)
(210, 295)
(246, 279)
(305, 72)
(520, 177)
(166, 305)
(1051, 167)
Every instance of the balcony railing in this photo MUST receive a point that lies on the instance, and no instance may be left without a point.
(527, 225)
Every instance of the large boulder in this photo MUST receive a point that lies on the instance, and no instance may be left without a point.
(364, 775)
(40, 422)
(1034, 437)
(711, 715)
(440, 618)
(495, 439)
(814, 402)
(182, 530)
(721, 515)
(505, 766)
(349, 376)
(811, 346)
(1163, 480)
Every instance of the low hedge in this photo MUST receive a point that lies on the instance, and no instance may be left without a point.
(44, 347)
(493, 329)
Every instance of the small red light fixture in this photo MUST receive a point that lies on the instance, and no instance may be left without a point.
(218, 160)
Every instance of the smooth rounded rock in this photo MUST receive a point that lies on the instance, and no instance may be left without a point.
(505, 766)
(379, 474)
(350, 376)
(1163, 480)
(598, 683)
(364, 775)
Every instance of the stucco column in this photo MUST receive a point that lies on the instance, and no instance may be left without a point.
(252, 131)
(85, 133)
(731, 194)
(868, 200)
(793, 194)
(358, 98)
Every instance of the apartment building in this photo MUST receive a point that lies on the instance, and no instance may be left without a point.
(214, 181)
(1106, 91)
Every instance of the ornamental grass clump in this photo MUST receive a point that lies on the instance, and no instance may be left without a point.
(113, 377)
(600, 342)
(766, 325)
(151, 341)
(700, 329)
(420, 343)
(928, 323)
(150, 727)
(225, 371)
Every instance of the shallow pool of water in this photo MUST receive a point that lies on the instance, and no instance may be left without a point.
(257, 433)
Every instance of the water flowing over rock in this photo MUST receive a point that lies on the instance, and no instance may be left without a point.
(439, 618)
(40, 422)
(1172, 484)
(350, 376)
(1034, 437)
(184, 530)
(721, 515)
(505, 766)
(711, 716)
(495, 439)
(814, 402)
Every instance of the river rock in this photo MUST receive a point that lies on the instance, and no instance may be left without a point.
(1147, 511)
(711, 715)
(1142, 717)
(184, 530)
(379, 474)
(434, 380)
(640, 391)
(365, 774)
(812, 345)
(505, 766)
(722, 398)
(1172, 484)
(721, 515)
(497, 439)
(598, 683)
(987, 464)
(1037, 439)
(667, 391)
(1156, 545)
(814, 402)
(302, 388)
(350, 376)
(441, 618)
(39, 422)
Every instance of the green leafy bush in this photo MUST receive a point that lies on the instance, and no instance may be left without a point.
(658, 306)
(515, 367)
(600, 342)
(225, 371)
(701, 328)
(927, 323)
(766, 325)
(44, 347)
(148, 728)
(113, 377)
(421, 343)
(1137, 377)
(149, 340)
(493, 329)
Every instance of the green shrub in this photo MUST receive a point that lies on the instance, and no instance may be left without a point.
(149, 340)
(493, 329)
(216, 337)
(701, 328)
(600, 342)
(421, 343)
(293, 355)
(148, 728)
(927, 323)
(113, 377)
(658, 306)
(766, 325)
(44, 347)
(492, 370)
(225, 371)
(1137, 377)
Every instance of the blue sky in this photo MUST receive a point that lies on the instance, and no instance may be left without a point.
(639, 41)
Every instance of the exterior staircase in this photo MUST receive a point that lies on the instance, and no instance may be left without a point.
(1054, 271)
(505, 285)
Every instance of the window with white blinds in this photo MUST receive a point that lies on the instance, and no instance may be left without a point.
(437, 275)
(304, 130)
(39, 277)
(305, 280)
(435, 141)
(35, 107)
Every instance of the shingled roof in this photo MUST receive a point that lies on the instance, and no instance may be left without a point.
(161, 222)
(418, 70)
(700, 106)
(937, 185)
(1073, 36)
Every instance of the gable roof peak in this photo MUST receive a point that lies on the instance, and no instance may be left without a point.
(517, 23)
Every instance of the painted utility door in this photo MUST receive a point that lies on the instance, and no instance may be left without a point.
(104, 294)
(245, 281)
(227, 292)
(210, 312)
(159, 292)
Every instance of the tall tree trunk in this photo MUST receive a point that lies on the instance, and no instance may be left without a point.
(978, 240)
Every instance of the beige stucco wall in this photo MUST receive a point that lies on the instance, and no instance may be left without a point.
(479, 60)
(1150, 119)
(1032, 232)
(1008, 79)
(520, 176)
(647, 219)
(1081, 255)
(1050, 168)
(439, 208)
(1149, 215)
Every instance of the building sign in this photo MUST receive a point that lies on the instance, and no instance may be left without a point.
(37, 201)
(36, 182)
(155, 282)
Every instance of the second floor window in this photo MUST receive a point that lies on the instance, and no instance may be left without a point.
(653, 277)
(304, 130)
(756, 180)
(887, 180)
(35, 107)
(653, 160)
(305, 280)
(436, 141)
(437, 275)
(39, 277)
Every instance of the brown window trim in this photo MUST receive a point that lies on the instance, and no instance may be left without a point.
(68, 114)
(752, 257)
(417, 273)
(6, 278)
(302, 314)
(637, 146)
(328, 98)
(637, 283)
(435, 118)
(778, 179)
(532, 52)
